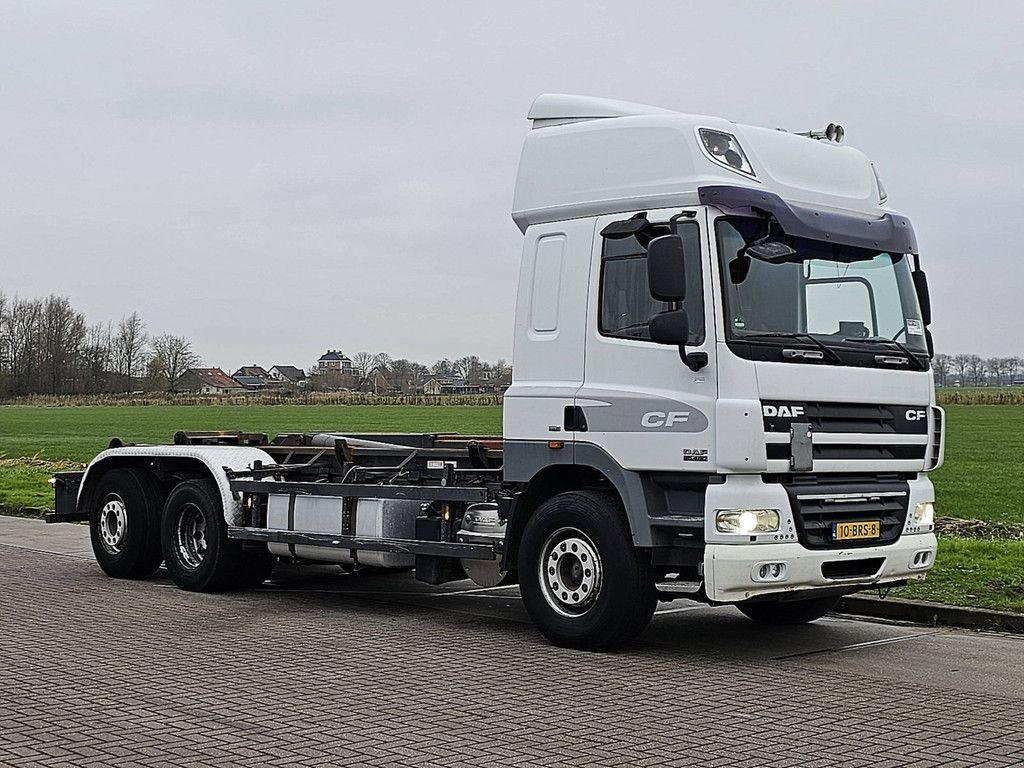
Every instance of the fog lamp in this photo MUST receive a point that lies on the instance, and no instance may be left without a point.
(747, 521)
(924, 513)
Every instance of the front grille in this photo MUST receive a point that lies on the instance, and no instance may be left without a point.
(840, 451)
(817, 506)
(862, 418)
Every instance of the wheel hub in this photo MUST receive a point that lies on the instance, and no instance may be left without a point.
(113, 524)
(190, 537)
(570, 572)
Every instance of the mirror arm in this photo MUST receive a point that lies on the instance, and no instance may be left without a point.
(693, 360)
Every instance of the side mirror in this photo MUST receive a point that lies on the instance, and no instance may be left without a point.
(923, 299)
(666, 268)
(671, 327)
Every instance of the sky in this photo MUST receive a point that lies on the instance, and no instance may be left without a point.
(275, 179)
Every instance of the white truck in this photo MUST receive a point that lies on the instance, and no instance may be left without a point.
(722, 392)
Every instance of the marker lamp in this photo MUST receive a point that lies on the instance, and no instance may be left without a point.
(725, 150)
(924, 513)
(747, 521)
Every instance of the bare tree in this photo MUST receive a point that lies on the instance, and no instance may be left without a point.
(994, 369)
(976, 369)
(172, 358)
(402, 376)
(362, 361)
(129, 348)
(62, 333)
(961, 364)
(97, 356)
(443, 367)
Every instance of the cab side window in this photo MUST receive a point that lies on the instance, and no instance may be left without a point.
(625, 299)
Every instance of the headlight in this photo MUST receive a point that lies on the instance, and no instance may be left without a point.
(924, 513)
(747, 521)
(725, 150)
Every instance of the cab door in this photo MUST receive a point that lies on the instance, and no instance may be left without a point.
(639, 401)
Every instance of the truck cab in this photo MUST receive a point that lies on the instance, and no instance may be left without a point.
(728, 324)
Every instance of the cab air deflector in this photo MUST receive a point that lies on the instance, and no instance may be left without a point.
(890, 233)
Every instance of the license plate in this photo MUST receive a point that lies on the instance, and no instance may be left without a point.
(871, 529)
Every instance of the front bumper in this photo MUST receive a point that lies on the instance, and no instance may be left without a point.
(730, 570)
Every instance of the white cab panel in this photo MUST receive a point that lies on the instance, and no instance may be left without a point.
(550, 329)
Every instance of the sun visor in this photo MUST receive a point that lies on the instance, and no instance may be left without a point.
(889, 233)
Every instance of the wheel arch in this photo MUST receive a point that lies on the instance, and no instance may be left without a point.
(543, 473)
(208, 462)
(554, 479)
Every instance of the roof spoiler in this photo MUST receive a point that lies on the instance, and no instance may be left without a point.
(561, 108)
(890, 233)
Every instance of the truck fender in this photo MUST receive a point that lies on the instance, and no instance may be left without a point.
(532, 464)
(215, 458)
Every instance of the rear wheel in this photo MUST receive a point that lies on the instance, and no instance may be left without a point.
(583, 582)
(124, 523)
(200, 556)
(788, 612)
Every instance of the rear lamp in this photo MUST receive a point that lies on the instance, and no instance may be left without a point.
(747, 521)
(725, 150)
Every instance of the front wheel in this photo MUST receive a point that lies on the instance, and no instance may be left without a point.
(583, 582)
(788, 612)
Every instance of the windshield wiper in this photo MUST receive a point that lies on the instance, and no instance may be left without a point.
(911, 356)
(830, 353)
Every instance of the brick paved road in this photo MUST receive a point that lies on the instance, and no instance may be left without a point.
(329, 669)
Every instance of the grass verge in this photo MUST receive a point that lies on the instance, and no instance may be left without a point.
(974, 573)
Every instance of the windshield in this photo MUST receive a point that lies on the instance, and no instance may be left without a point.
(836, 295)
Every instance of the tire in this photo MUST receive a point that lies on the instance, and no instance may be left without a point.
(596, 608)
(199, 555)
(788, 612)
(124, 523)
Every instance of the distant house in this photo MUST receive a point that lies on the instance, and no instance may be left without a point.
(251, 383)
(449, 385)
(333, 361)
(254, 371)
(288, 374)
(210, 381)
(376, 381)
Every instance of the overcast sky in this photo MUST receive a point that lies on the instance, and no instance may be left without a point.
(273, 179)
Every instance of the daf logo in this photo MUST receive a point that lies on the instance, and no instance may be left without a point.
(784, 411)
(915, 415)
(661, 419)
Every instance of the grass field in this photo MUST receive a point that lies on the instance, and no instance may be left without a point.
(79, 433)
(981, 479)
